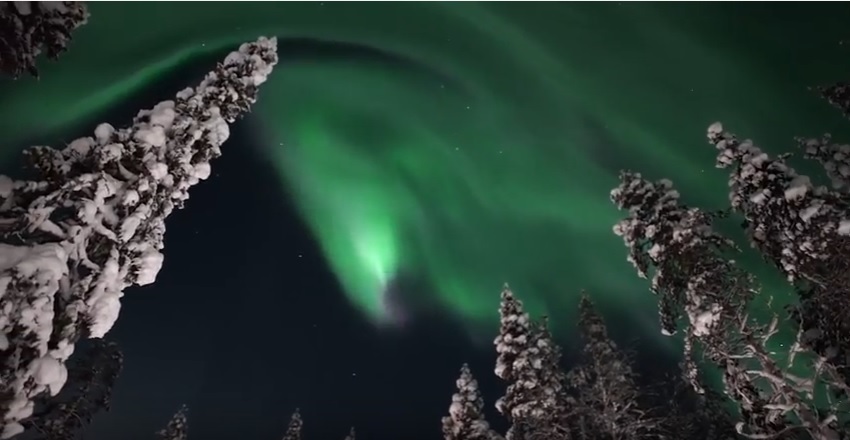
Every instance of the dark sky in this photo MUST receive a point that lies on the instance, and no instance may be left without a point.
(247, 321)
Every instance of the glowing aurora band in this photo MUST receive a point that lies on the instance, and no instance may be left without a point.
(468, 144)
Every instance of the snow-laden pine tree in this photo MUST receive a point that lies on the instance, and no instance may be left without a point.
(514, 330)
(177, 428)
(838, 95)
(804, 229)
(293, 429)
(535, 402)
(606, 387)
(93, 224)
(692, 278)
(89, 391)
(551, 392)
(28, 29)
(351, 434)
(466, 419)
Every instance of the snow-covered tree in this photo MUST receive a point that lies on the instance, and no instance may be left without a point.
(293, 430)
(606, 385)
(693, 278)
(466, 414)
(838, 95)
(351, 434)
(695, 416)
(28, 29)
(514, 331)
(803, 228)
(71, 242)
(534, 402)
(89, 390)
(177, 428)
(788, 219)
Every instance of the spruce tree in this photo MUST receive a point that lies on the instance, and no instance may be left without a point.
(93, 222)
(466, 414)
(837, 94)
(514, 330)
(693, 278)
(551, 392)
(512, 347)
(803, 228)
(534, 402)
(91, 378)
(177, 428)
(293, 430)
(695, 416)
(351, 435)
(606, 387)
(28, 29)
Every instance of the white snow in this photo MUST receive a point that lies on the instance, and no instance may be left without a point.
(798, 188)
(23, 8)
(158, 170)
(53, 6)
(807, 214)
(202, 170)
(104, 309)
(163, 114)
(7, 185)
(715, 129)
(704, 321)
(153, 136)
(49, 372)
(103, 133)
(118, 209)
(148, 267)
(844, 227)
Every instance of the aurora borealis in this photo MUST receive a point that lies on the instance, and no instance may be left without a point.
(462, 145)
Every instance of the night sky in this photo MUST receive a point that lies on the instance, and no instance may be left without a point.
(403, 161)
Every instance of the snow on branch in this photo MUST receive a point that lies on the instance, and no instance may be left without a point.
(802, 228)
(293, 429)
(71, 242)
(535, 401)
(605, 385)
(466, 414)
(694, 279)
(789, 220)
(838, 95)
(835, 158)
(177, 428)
(28, 29)
(91, 378)
(678, 243)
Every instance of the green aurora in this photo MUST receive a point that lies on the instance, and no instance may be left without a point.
(482, 147)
